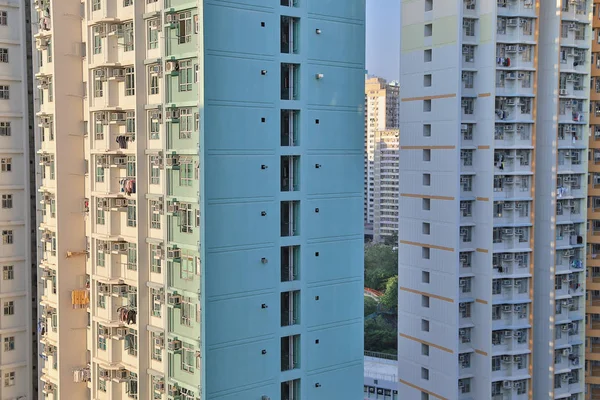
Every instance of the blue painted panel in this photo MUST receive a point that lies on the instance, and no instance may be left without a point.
(333, 88)
(246, 266)
(235, 30)
(240, 80)
(239, 176)
(259, 3)
(336, 346)
(337, 303)
(336, 174)
(336, 130)
(332, 219)
(271, 390)
(352, 9)
(326, 266)
(241, 224)
(246, 312)
(231, 367)
(241, 128)
(346, 383)
(328, 46)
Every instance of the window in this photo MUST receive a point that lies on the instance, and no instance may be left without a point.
(7, 237)
(185, 75)
(424, 349)
(49, 52)
(100, 258)
(425, 253)
(427, 80)
(96, 5)
(3, 18)
(426, 179)
(186, 123)
(425, 301)
(9, 379)
(186, 218)
(188, 358)
(132, 257)
(157, 300)
(156, 350)
(188, 268)
(185, 27)
(101, 301)
(4, 55)
(131, 342)
(428, 5)
(496, 363)
(424, 396)
(427, 55)
(186, 173)
(426, 155)
(187, 311)
(131, 214)
(102, 345)
(425, 276)
(428, 30)
(155, 171)
(8, 273)
(98, 88)
(129, 81)
(99, 174)
(424, 373)
(6, 164)
(424, 325)
(100, 211)
(153, 87)
(156, 261)
(127, 3)
(5, 129)
(128, 36)
(426, 228)
(7, 201)
(9, 343)
(154, 128)
(9, 308)
(130, 123)
(97, 40)
(4, 92)
(426, 204)
(426, 105)
(152, 34)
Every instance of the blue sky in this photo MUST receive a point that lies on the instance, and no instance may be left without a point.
(383, 38)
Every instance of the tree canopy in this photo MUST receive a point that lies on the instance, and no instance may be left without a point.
(381, 263)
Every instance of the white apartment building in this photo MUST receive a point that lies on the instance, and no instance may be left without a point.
(493, 174)
(385, 190)
(381, 113)
(17, 257)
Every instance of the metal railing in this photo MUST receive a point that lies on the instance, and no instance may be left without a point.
(385, 356)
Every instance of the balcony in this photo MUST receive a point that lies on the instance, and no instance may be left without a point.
(507, 340)
(290, 126)
(515, 57)
(508, 265)
(567, 236)
(290, 171)
(290, 217)
(515, 83)
(290, 390)
(511, 290)
(509, 238)
(568, 211)
(289, 37)
(290, 263)
(522, 8)
(513, 109)
(290, 81)
(512, 366)
(290, 352)
(515, 30)
(511, 213)
(290, 304)
(568, 334)
(512, 135)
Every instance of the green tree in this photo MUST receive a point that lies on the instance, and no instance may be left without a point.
(381, 263)
(381, 336)
(391, 240)
(390, 296)
(370, 306)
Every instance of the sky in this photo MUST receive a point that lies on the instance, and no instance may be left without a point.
(383, 38)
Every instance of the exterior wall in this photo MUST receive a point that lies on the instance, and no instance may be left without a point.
(381, 113)
(160, 95)
(592, 346)
(385, 173)
(16, 255)
(560, 194)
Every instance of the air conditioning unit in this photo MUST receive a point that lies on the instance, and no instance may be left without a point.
(519, 232)
(511, 75)
(464, 128)
(511, 49)
(173, 254)
(102, 331)
(466, 23)
(506, 359)
(465, 103)
(518, 334)
(174, 391)
(173, 207)
(465, 76)
(119, 290)
(507, 308)
(517, 307)
(41, 43)
(159, 342)
(156, 116)
(171, 66)
(464, 231)
(509, 128)
(507, 232)
(462, 282)
(518, 385)
(507, 257)
(159, 254)
(172, 160)
(566, 352)
(565, 377)
(119, 247)
(521, 75)
(174, 345)
(103, 289)
(507, 283)
(171, 18)
(121, 375)
(101, 117)
(522, 48)
(564, 327)
(465, 49)
(158, 207)
(159, 387)
(118, 73)
(511, 101)
(572, 26)
(508, 205)
(462, 332)
(119, 203)
(172, 114)
(156, 69)
(99, 73)
(121, 333)
(119, 160)
(512, 22)
(462, 358)
(117, 116)
(154, 24)
(174, 299)
(508, 180)
(563, 92)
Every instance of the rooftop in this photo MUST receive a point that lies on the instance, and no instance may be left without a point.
(381, 366)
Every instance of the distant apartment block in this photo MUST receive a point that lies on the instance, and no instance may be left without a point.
(381, 113)
(385, 190)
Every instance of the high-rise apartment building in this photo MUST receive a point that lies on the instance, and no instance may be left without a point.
(592, 354)
(385, 190)
(381, 113)
(204, 160)
(17, 251)
(493, 167)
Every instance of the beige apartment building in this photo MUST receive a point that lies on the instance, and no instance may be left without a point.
(385, 176)
(381, 114)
